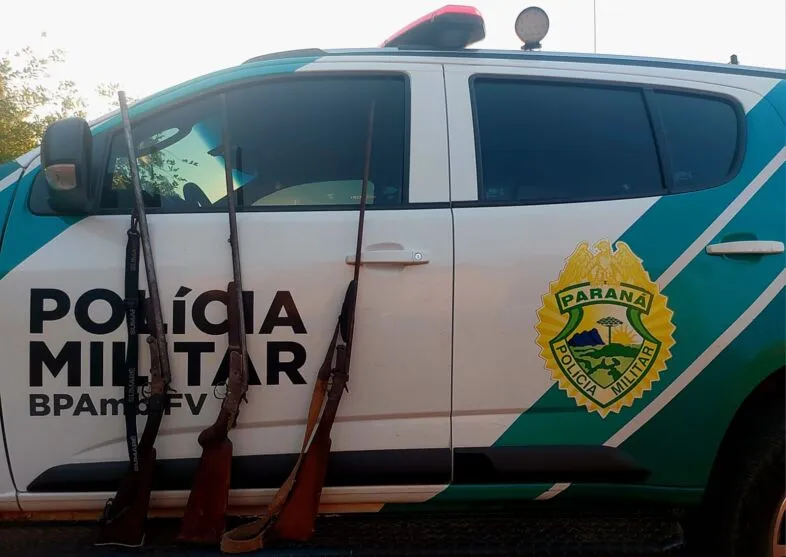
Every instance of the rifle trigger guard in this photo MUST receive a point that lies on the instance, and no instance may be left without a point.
(106, 517)
(215, 389)
(147, 392)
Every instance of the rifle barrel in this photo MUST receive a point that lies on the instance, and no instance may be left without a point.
(363, 192)
(361, 222)
(150, 269)
(232, 209)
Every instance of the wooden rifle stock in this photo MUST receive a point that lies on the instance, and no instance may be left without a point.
(292, 514)
(253, 535)
(125, 515)
(205, 516)
(296, 520)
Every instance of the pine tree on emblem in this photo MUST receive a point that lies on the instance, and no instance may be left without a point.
(610, 322)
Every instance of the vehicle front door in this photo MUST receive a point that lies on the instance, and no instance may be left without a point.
(298, 145)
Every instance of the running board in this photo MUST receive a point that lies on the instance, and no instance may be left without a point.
(530, 533)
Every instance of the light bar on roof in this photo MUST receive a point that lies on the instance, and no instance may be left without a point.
(450, 27)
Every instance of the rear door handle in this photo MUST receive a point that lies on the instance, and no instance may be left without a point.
(390, 257)
(753, 247)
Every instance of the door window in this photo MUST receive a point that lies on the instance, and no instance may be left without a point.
(540, 142)
(302, 142)
(295, 142)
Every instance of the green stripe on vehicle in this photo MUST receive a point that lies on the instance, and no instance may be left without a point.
(27, 233)
(777, 97)
(6, 198)
(758, 351)
(7, 192)
(8, 167)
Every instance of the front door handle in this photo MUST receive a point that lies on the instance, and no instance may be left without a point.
(390, 257)
(751, 247)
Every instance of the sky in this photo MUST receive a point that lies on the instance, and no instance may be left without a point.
(154, 44)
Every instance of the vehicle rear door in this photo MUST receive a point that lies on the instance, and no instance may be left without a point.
(566, 324)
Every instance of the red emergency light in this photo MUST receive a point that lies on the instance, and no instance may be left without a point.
(450, 27)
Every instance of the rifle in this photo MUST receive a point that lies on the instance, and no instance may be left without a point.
(293, 511)
(204, 519)
(123, 521)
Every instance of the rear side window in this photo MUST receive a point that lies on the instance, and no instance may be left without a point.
(701, 136)
(541, 142)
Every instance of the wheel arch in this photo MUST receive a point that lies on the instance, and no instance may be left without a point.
(715, 526)
(767, 396)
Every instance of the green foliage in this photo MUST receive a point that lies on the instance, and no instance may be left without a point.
(109, 92)
(159, 166)
(27, 106)
(158, 174)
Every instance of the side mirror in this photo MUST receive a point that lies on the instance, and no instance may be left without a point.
(65, 157)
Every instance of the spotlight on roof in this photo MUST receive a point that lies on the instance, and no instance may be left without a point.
(531, 26)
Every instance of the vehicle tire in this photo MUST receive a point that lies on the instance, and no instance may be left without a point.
(748, 495)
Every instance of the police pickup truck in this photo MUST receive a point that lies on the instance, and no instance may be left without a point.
(572, 284)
